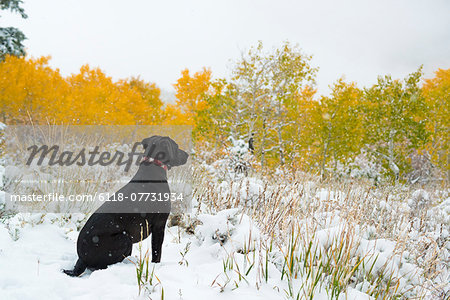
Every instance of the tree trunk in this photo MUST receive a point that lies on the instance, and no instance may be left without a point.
(391, 155)
(325, 153)
(324, 159)
(263, 142)
(280, 144)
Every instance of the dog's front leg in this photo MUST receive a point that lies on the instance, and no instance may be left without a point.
(157, 241)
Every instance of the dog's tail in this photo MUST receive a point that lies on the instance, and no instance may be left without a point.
(79, 269)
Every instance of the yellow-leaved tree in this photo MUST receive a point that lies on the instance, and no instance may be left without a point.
(31, 88)
(32, 91)
(437, 96)
(191, 93)
(339, 127)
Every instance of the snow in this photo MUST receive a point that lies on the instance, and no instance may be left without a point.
(222, 254)
(32, 266)
(234, 230)
(32, 262)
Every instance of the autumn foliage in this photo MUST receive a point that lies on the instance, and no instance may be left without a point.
(270, 96)
(31, 91)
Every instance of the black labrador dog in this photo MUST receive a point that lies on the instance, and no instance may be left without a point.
(108, 235)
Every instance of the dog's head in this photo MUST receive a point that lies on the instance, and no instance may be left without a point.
(165, 150)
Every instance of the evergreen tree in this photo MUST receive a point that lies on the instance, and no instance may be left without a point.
(11, 38)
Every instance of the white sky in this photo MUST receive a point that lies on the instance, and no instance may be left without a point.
(157, 39)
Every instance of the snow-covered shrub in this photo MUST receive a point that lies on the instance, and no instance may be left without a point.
(419, 202)
(230, 228)
(235, 162)
(422, 170)
(361, 166)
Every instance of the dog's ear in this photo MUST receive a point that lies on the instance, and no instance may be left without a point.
(147, 142)
(165, 149)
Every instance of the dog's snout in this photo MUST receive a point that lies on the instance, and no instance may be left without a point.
(183, 157)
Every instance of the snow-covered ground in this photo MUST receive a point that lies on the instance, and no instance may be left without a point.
(31, 264)
(251, 239)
